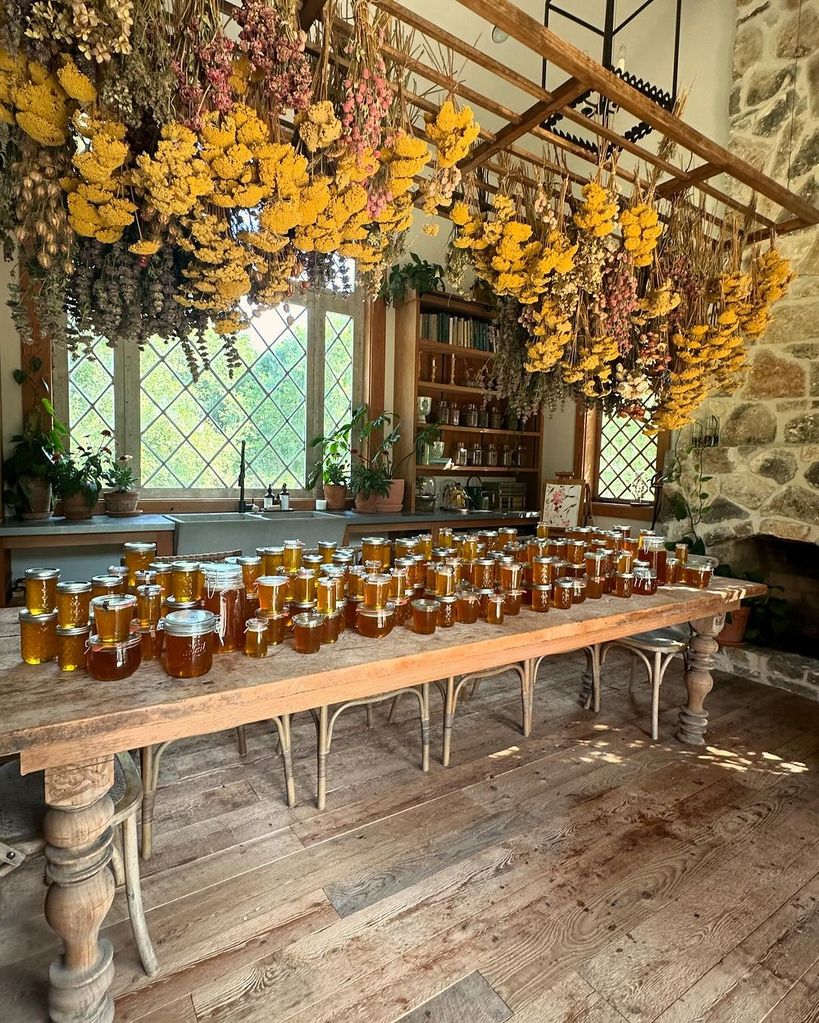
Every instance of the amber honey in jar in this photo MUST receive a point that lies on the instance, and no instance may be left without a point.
(38, 636)
(446, 537)
(579, 589)
(563, 593)
(447, 612)
(152, 639)
(327, 549)
(656, 555)
(325, 589)
(162, 576)
(446, 580)
(425, 616)
(272, 559)
(332, 628)
(113, 616)
(644, 581)
(399, 583)
(256, 637)
(681, 552)
(148, 604)
(186, 581)
(292, 555)
(495, 607)
(224, 595)
(278, 626)
(402, 610)
(111, 662)
(272, 591)
(189, 642)
(469, 548)
(376, 591)
(351, 606)
(375, 548)
(120, 572)
(595, 586)
(375, 623)
(41, 590)
(468, 607)
(303, 586)
(72, 642)
(169, 605)
(483, 573)
(576, 552)
(138, 556)
(307, 632)
(595, 563)
(251, 570)
(355, 581)
(512, 601)
(423, 545)
(540, 597)
(697, 574)
(73, 604)
(623, 584)
(673, 571)
(510, 575)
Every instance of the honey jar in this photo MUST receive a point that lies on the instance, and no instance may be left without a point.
(446, 537)
(189, 642)
(292, 555)
(325, 589)
(376, 591)
(655, 553)
(494, 609)
(623, 583)
(624, 561)
(169, 606)
(256, 637)
(644, 581)
(468, 607)
(697, 574)
(540, 597)
(399, 583)
(483, 600)
(332, 628)
(162, 576)
(355, 581)
(303, 586)
(311, 562)
(224, 595)
(327, 549)
(563, 592)
(402, 610)
(423, 545)
(579, 586)
(71, 646)
(489, 539)
(542, 530)
(121, 573)
(113, 616)
(111, 662)
(673, 571)
(595, 586)
(186, 581)
(510, 575)
(624, 529)
(41, 590)
(38, 636)
(375, 623)
(251, 570)
(445, 580)
(425, 616)
(544, 571)
(512, 601)
(595, 563)
(376, 548)
(138, 556)
(351, 606)
(556, 548)
(273, 591)
(152, 640)
(343, 558)
(483, 573)
(148, 604)
(576, 552)
(681, 552)
(272, 559)
(447, 612)
(307, 632)
(145, 577)
(73, 604)
(278, 625)
(469, 548)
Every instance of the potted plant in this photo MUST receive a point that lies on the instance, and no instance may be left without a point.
(27, 470)
(368, 482)
(77, 480)
(759, 620)
(332, 466)
(417, 275)
(123, 497)
(394, 500)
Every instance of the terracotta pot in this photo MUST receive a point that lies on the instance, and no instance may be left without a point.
(336, 496)
(37, 492)
(733, 632)
(394, 501)
(366, 503)
(79, 505)
(121, 502)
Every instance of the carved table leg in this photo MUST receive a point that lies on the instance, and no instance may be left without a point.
(693, 718)
(449, 719)
(77, 829)
(527, 694)
(322, 753)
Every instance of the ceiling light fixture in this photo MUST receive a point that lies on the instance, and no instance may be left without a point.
(498, 35)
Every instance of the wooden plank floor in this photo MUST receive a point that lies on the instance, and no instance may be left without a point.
(584, 875)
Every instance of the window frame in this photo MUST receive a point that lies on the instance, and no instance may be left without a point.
(588, 438)
(127, 381)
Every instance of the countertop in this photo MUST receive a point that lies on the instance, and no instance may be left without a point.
(467, 521)
(98, 524)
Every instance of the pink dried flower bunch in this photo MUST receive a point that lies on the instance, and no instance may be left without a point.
(366, 104)
(619, 299)
(216, 61)
(275, 50)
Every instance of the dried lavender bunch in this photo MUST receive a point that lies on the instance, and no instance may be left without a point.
(526, 393)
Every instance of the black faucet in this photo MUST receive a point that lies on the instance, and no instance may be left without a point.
(242, 468)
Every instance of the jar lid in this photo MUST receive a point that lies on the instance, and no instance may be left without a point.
(380, 614)
(181, 605)
(118, 571)
(45, 619)
(160, 566)
(624, 575)
(73, 630)
(309, 620)
(95, 643)
(446, 600)
(302, 607)
(519, 593)
(276, 581)
(426, 605)
(42, 573)
(114, 600)
(374, 539)
(472, 595)
(580, 582)
(274, 549)
(185, 566)
(496, 598)
(256, 625)
(564, 582)
(251, 559)
(190, 623)
(291, 543)
(139, 546)
(268, 613)
(220, 574)
(545, 586)
(74, 587)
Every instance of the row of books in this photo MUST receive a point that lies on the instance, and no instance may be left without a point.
(458, 331)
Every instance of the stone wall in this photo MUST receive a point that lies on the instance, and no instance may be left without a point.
(766, 468)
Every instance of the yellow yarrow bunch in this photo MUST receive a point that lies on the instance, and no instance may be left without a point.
(591, 365)
(452, 131)
(657, 302)
(342, 220)
(233, 146)
(75, 84)
(12, 77)
(96, 209)
(318, 126)
(641, 229)
(598, 210)
(42, 107)
(217, 276)
(554, 331)
(174, 179)
(404, 159)
(771, 277)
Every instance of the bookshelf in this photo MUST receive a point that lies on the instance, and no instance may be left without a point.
(442, 343)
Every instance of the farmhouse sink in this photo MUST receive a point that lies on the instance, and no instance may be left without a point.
(203, 532)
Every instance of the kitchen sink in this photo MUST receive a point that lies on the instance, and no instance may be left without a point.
(201, 532)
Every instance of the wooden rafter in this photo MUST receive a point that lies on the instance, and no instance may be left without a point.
(310, 12)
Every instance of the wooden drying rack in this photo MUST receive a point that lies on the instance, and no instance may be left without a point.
(584, 74)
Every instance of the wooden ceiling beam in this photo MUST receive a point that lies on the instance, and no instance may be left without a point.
(546, 43)
(525, 123)
(310, 12)
(698, 174)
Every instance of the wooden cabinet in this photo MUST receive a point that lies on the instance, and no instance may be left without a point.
(456, 371)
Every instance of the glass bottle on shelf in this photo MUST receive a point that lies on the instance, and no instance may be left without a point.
(461, 456)
(491, 455)
(495, 418)
(443, 412)
(454, 415)
(483, 419)
(471, 415)
(507, 455)
(520, 460)
(476, 454)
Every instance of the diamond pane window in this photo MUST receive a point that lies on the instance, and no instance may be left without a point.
(191, 433)
(338, 369)
(91, 392)
(628, 461)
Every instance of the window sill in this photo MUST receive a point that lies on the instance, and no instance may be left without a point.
(622, 509)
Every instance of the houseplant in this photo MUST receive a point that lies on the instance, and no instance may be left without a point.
(332, 466)
(123, 497)
(417, 275)
(27, 470)
(77, 479)
(393, 501)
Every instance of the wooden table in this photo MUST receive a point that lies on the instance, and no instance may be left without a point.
(71, 727)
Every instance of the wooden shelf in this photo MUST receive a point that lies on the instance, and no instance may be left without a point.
(492, 433)
(427, 385)
(468, 470)
(456, 306)
(441, 347)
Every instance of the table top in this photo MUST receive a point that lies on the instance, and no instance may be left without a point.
(52, 718)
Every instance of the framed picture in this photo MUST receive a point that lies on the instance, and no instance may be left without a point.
(564, 503)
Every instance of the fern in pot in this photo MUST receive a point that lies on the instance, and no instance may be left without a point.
(123, 496)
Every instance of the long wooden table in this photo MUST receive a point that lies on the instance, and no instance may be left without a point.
(71, 726)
